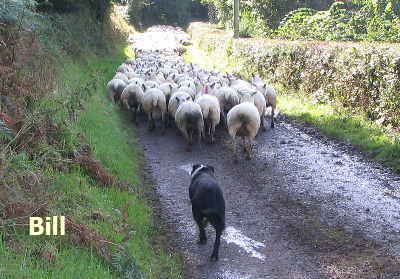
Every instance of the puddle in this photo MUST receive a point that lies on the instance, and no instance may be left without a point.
(187, 168)
(232, 235)
(231, 275)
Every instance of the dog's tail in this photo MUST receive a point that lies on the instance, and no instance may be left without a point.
(216, 213)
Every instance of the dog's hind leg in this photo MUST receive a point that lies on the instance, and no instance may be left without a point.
(214, 255)
(201, 224)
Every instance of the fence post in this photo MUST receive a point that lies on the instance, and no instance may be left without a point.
(236, 19)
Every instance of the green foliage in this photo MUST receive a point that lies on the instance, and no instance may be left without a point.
(260, 16)
(124, 263)
(5, 132)
(355, 21)
(98, 7)
(145, 13)
(17, 11)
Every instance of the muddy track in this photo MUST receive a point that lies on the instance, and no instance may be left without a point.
(303, 207)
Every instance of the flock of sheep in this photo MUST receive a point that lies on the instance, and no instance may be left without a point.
(158, 83)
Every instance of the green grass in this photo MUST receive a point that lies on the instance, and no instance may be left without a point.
(111, 135)
(70, 262)
(377, 142)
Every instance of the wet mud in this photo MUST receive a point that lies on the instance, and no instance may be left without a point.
(303, 207)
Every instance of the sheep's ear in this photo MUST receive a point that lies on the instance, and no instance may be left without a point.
(212, 85)
(144, 87)
(188, 98)
(211, 168)
(170, 86)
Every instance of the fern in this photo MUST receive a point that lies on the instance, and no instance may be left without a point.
(5, 132)
(13, 11)
(124, 263)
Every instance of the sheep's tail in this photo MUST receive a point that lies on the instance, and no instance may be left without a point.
(192, 118)
(155, 102)
(244, 118)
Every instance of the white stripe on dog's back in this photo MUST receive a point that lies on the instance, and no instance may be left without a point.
(198, 169)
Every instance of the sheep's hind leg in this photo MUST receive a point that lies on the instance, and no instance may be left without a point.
(134, 116)
(263, 126)
(248, 149)
(212, 133)
(164, 123)
(188, 138)
(151, 123)
(235, 156)
(272, 118)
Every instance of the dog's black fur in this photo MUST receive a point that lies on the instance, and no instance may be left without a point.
(208, 204)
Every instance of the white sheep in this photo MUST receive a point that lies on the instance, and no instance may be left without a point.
(258, 99)
(115, 88)
(132, 98)
(269, 93)
(243, 120)
(154, 105)
(122, 76)
(173, 104)
(150, 84)
(211, 110)
(227, 97)
(168, 89)
(189, 120)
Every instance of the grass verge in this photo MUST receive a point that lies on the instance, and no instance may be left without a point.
(124, 218)
(113, 232)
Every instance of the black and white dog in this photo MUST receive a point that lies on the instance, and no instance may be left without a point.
(208, 204)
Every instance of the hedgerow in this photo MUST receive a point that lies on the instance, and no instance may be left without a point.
(362, 77)
(355, 20)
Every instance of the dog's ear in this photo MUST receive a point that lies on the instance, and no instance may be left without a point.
(211, 168)
(195, 167)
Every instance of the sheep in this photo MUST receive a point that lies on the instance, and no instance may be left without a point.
(124, 68)
(211, 110)
(227, 97)
(137, 81)
(115, 88)
(150, 84)
(132, 98)
(189, 90)
(167, 88)
(130, 61)
(255, 97)
(189, 120)
(243, 120)
(122, 76)
(175, 100)
(154, 105)
(132, 75)
(269, 94)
